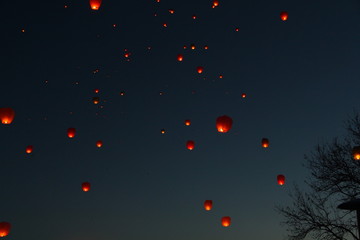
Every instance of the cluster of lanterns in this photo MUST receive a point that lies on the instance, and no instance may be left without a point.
(225, 221)
(223, 124)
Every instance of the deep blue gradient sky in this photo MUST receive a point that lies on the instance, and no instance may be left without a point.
(301, 78)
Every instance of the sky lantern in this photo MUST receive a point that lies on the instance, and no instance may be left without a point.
(199, 69)
(194, 17)
(187, 122)
(265, 143)
(206, 47)
(99, 144)
(96, 90)
(4, 229)
(208, 205)
(223, 124)
(29, 149)
(356, 153)
(85, 186)
(243, 95)
(236, 29)
(71, 132)
(192, 46)
(180, 57)
(162, 131)
(284, 16)
(190, 145)
(96, 100)
(7, 115)
(226, 221)
(281, 179)
(171, 11)
(95, 4)
(215, 3)
(122, 93)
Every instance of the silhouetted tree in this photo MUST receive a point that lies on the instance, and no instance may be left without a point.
(334, 178)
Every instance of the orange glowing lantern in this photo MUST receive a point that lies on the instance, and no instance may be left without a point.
(223, 124)
(122, 93)
(281, 179)
(243, 95)
(194, 17)
(96, 90)
(187, 122)
(180, 57)
(95, 4)
(162, 131)
(99, 144)
(356, 153)
(4, 229)
(190, 145)
(29, 149)
(199, 69)
(208, 205)
(265, 142)
(171, 11)
(71, 132)
(225, 221)
(192, 46)
(284, 16)
(7, 115)
(85, 186)
(206, 47)
(215, 3)
(96, 100)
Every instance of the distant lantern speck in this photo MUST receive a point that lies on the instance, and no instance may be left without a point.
(180, 57)
(356, 153)
(284, 16)
(71, 132)
(281, 179)
(265, 142)
(7, 115)
(99, 143)
(85, 186)
(200, 69)
(187, 122)
(29, 149)
(208, 205)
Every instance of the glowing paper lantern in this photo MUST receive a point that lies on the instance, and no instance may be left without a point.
(281, 179)
(223, 123)
(29, 149)
(199, 69)
(187, 122)
(7, 115)
(162, 131)
(71, 132)
(85, 186)
(95, 4)
(215, 3)
(180, 57)
(190, 145)
(225, 221)
(356, 153)
(208, 205)
(99, 143)
(4, 229)
(96, 100)
(284, 16)
(265, 142)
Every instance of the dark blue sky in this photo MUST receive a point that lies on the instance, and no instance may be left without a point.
(301, 78)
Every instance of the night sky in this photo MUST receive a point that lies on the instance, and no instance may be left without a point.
(300, 76)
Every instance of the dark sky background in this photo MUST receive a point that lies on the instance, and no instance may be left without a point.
(301, 78)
